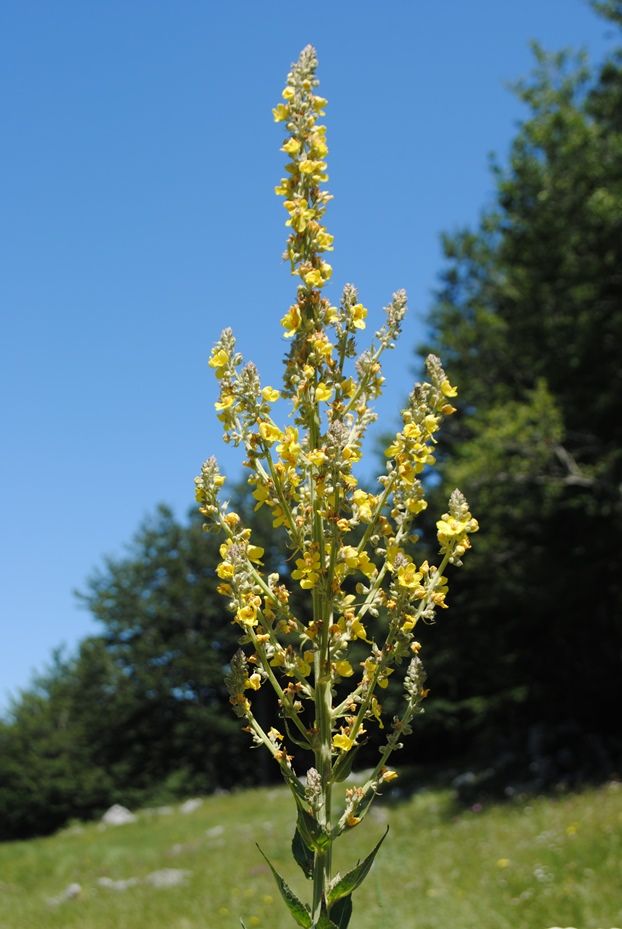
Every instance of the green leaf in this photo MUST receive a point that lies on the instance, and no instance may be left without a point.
(303, 854)
(341, 912)
(342, 771)
(295, 906)
(311, 832)
(350, 881)
(325, 922)
(242, 923)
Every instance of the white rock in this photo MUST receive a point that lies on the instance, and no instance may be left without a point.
(69, 893)
(158, 810)
(118, 815)
(214, 831)
(167, 877)
(189, 806)
(117, 885)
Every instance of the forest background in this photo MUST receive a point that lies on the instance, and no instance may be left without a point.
(525, 676)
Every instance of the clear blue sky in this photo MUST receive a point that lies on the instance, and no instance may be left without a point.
(138, 218)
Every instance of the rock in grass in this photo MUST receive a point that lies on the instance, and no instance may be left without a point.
(190, 806)
(69, 893)
(167, 877)
(118, 815)
(117, 885)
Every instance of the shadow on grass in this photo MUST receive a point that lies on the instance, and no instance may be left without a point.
(544, 762)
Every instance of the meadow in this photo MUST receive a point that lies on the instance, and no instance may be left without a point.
(533, 864)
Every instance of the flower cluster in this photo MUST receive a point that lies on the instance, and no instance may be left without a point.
(350, 546)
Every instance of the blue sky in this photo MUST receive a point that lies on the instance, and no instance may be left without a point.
(138, 218)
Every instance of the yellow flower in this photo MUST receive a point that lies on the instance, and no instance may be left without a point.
(321, 346)
(254, 681)
(225, 402)
(358, 314)
(344, 668)
(262, 495)
(316, 457)
(300, 215)
(284, 188)
(366, 565)
(389, 775)
(325, 241)
(247, 615)
(219, 360)
(313, 278)
(323, 391)
(447, 389)
(280, 112)
(270, 394)
(416, 505)
(358, 630)
(289, 448)
(289, 93)
(342, 742)
(376, 709)
(350, 555)
(291, 321)
(269, 432)
(452, 533)
(364, 502)
(307, 569)
(409, 623)
(225, 570)
(319, 148)
(292, 147)
(255, 553)
(311, 167)
(278, 517)
(409, 577)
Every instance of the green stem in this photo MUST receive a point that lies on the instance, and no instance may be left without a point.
(322, 615)
(288, 710)
(366, 701)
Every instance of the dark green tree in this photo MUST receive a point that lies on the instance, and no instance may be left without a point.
(51, 762)
(140, 714)
(528, 320)
(170, 637)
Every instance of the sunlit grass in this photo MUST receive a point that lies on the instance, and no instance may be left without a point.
(541, 863)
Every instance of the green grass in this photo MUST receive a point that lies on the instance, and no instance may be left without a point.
(542, 863)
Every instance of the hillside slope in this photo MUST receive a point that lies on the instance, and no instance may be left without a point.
(532, 865)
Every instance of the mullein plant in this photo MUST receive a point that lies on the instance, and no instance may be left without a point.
(350, 548)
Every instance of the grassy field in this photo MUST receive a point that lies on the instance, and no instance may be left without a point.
(534, 865)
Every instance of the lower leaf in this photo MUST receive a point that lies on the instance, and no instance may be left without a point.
(344, 886)
(302, 854)
(295, 906)
(341, 911)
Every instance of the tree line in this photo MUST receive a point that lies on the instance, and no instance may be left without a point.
(526, 673)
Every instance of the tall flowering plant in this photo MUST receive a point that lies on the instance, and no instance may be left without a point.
(349, 547)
